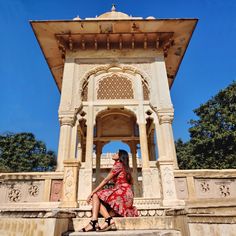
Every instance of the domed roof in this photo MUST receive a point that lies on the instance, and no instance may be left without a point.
(113, 14)
(77, 18)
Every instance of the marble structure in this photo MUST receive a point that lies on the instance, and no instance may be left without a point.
(114, 73)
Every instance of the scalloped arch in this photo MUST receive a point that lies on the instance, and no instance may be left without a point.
(109, 68)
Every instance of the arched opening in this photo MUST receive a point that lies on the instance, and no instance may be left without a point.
(116, 128)
(113, 147)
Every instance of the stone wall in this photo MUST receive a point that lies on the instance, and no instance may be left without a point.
(33, 187)
(32, 227)
(198, 187)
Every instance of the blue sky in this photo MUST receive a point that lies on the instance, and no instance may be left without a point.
(29, 98)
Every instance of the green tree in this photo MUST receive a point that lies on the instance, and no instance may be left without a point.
(22, 152)
(212, 141)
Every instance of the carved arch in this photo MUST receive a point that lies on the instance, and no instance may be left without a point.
(113, 68)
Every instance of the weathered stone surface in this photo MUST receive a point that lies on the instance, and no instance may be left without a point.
(212, 229)
(131, 223)
(33, 227)
(130, 232)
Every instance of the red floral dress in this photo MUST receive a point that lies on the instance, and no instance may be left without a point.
(120, 197)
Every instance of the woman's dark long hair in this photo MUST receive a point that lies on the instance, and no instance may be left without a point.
(124, 158)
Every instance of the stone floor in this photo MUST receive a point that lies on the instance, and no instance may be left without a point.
(128, 233)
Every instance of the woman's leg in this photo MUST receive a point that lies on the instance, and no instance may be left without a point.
(103, 211)
(95, 206)
(95, 209)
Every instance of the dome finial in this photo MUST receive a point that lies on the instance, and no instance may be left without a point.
(113, 7)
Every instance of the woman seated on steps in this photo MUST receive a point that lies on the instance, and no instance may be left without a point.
(117, 200)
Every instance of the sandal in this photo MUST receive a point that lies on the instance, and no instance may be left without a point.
(110, 226)
(93, 223)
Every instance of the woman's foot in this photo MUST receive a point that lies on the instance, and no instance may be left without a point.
(109, 224)
(92, 226)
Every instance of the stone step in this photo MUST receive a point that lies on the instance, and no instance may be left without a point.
(134, 223)
(128, 233)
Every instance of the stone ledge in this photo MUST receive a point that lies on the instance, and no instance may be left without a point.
(129, 232)
(211, 202)
(133, 223)
(40, 213)
(209, 173)
(212, 219)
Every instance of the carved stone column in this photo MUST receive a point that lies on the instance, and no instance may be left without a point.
(165, 120)
(167, 159)
(143, 145)
(135, 169)
(66, 123)
(70, 184)
(85, 182)
(98, 162)
(89, 139)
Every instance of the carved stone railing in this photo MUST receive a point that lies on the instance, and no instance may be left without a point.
(30, 189)
(206, 187)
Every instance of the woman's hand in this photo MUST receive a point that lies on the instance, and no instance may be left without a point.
(89, 198)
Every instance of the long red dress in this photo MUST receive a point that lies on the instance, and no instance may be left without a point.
(120, 197)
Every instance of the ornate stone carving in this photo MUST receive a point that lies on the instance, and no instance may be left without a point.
(107, 68)
(224, 190)
(115, 87)
(33, 190)
(69, 180)
(215, 187)
(88, 214)
(205, 187)
(165, 117)
(140, 202)
(168, 177)
(14, 195)
(67, 120)
(142, 212)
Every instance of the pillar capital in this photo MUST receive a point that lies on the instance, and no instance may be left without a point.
(66, 120)
(165, 115)
(72, 163)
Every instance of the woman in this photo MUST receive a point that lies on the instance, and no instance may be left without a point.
(118, 199)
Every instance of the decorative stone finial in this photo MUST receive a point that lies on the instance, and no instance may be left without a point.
(113, 7)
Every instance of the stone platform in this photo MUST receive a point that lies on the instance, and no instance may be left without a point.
(188, 221)
(128, 233)
(134, 223)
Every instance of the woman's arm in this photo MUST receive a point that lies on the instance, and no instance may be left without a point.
(103, 183)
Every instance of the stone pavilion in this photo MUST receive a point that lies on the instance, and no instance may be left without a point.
(114, 73)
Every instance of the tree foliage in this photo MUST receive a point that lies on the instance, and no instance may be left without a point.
(22, 152)
(212, 141)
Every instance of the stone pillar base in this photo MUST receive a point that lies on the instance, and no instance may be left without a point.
(168, 184)
(69, 193)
